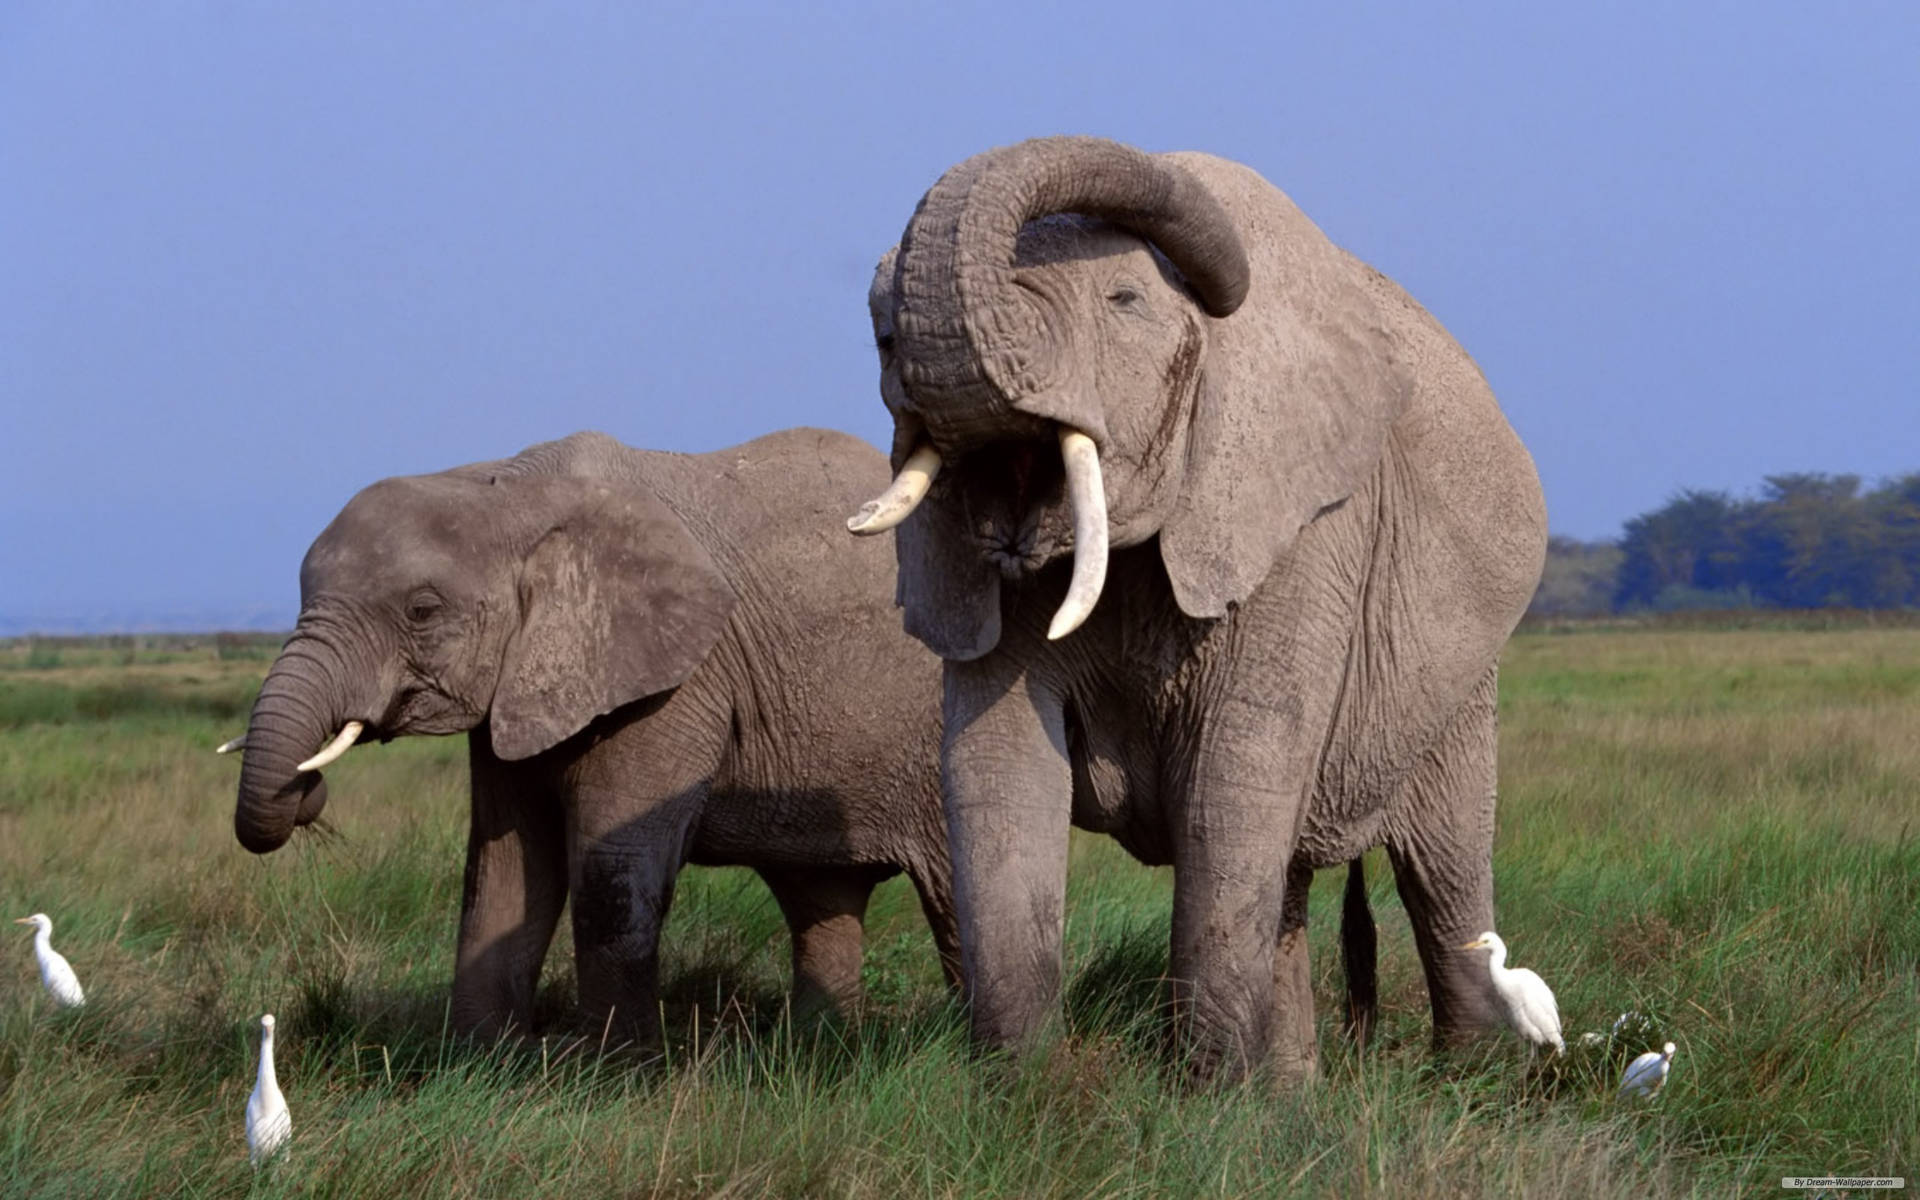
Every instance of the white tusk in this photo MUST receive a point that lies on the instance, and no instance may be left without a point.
(1088, 495)
(906, 491)
(239, 743)
(334, 748)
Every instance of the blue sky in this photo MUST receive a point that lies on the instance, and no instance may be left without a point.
(255, 256)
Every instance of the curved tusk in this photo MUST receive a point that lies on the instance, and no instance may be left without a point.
(1088, 495)
(906, 491)
(239, 743)
(335, 748)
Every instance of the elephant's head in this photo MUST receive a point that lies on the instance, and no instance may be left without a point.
(1086, 346)
(533, 601)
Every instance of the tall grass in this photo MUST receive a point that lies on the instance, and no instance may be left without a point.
(1716, 829)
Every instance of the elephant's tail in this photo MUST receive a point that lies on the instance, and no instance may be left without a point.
(1359, 953)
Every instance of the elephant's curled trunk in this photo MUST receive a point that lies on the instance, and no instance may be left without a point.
(975, 347)
(292, 718)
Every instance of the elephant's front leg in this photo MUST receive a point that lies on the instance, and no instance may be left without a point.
(1230, 870)
(1233, 846)
(623, 858)
(1007, 790)
(515, 888)
(636, 799)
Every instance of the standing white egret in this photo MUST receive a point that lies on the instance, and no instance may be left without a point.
(55, 972)
(268, 1124)
(1525, 999)
(1646, 1073)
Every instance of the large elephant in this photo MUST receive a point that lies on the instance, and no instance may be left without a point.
(658, 658)
(1219, 534)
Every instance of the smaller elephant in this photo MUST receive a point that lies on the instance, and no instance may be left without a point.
(657, 658)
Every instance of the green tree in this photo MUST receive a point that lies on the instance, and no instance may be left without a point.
(1578, 579)
(1686, 546)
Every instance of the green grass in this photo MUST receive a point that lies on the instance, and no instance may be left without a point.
(1716, 828)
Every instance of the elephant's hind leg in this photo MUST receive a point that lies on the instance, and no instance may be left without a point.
(936, 904)
(1440, 842)
(826, 911)
(1296, 1052)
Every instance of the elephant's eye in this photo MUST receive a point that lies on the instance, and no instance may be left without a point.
(883, 342)
(423, 607)
(1123, 297)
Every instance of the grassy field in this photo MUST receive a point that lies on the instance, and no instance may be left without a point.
(1715, 828)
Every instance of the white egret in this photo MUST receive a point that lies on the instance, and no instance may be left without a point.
(1646, 1073)
(55, 972)
(268, 1124)
(1524, 998)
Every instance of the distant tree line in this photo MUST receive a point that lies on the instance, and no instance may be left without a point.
(1806, 541)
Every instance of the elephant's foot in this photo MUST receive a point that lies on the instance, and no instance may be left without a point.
(489, 1018)
(1223, 1029)
(493, 987)
(617, 1018)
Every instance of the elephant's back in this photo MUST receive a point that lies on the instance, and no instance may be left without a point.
(783, 500)
(805, 468)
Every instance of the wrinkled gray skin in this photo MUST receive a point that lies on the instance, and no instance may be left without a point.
(1323, 530)
(659, 658)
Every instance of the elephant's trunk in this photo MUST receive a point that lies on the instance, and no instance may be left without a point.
(299, 709)
(976, 348)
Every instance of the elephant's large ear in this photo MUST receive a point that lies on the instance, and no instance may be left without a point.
(617, 601)
(1298, 389)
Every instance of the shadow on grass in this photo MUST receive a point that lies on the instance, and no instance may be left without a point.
(1122, 993)
(716, 1015)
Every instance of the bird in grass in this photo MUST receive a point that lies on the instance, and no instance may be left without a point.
(1524, 998)
(268, 1125)
(55, 971)
(1646, 1073)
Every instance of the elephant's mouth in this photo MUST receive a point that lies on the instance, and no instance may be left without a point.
(1014, 554)
(1071, 513)
(1017, 495)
